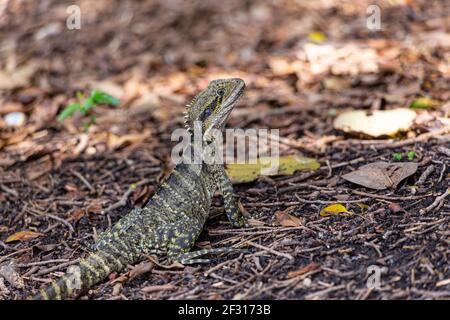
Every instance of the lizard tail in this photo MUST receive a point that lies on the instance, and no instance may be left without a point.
(96, 267)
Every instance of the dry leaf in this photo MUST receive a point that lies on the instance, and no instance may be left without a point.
(19, 77)
(333, 209)
(381, 175)
(23, 236)
(287, 220)
(377, 123)
(95, 207)
(396, 208)
(116, 142)
(308, 268)
(163, 287)
(77, 214)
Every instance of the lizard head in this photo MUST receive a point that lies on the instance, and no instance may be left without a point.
(213, 105)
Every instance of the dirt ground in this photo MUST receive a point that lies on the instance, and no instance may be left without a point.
(304, 62)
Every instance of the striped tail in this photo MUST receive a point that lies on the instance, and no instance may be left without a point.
(81, 277)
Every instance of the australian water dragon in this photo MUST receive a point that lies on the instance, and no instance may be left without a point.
(174, 217)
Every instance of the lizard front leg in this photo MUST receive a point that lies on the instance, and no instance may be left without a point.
(183, 239)
(230, 202)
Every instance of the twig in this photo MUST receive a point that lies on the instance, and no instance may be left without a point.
(444, 150)
(317, 294)
(270, 250)
(123, 200)
(64, 222)
(332, 202)
(237, 231)
(319, 171)
(379, 196)
(40, 263)
(59, 266)
(375, 247)
(425, 175)
(13, 254)
(83, 179)
(9, 190)
(437, 202)
(220, 265)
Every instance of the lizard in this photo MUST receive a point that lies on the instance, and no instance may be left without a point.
(175, 215)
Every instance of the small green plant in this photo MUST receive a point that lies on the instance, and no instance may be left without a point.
(397, 156)
(411, 155)
(85, 105)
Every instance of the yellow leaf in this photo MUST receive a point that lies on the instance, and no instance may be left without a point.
(266, 166)
(333, 209)
(23, 236)
(317, 37)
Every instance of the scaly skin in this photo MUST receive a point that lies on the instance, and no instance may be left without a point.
(174, 217)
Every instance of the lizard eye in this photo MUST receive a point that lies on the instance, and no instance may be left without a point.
(220, 92)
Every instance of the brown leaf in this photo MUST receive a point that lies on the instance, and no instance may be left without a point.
(116, 142)
(308, 268)
(396, 208)
(19, 77)
(77, 214)
(23, 236)
(381, 175)
(95, 207)
(287, 220)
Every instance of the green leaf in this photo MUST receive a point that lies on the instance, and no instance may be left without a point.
(411, 155)
(424, 103)
(87, 105)
(104, 98)
(68, 111)
(397, 156)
